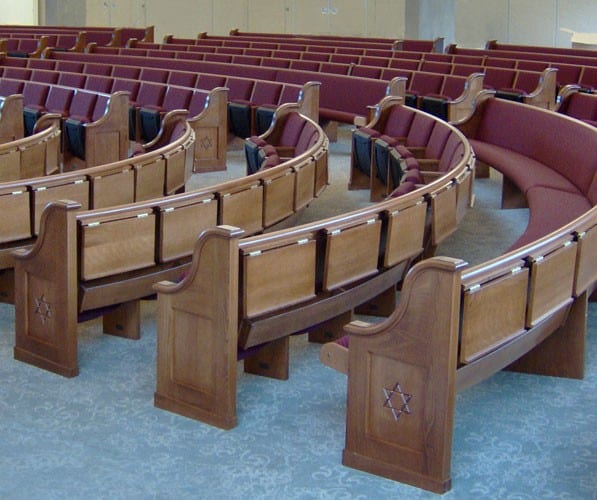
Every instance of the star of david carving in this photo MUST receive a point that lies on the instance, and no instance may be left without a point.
(402, 398)
(43, 308)
(205, 142)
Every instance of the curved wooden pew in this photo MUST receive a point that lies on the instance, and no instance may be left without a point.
(159, 169)
(103, 261)
(32, 156)
(525, 310)
(305, 278)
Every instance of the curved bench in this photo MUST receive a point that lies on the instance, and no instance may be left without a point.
(162, 169)
(526, 310)
(35, 155)
(557, 183)
(103, 261)
(305, 278)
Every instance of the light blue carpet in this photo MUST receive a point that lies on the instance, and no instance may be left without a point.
(99, 436)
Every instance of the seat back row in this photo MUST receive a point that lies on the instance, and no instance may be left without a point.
(208, 108)
(114, 255)
(357, 93)
(246, 94)
(105, 135)
(96, 34)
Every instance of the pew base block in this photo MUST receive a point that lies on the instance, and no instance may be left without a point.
(190, 411)
(330, 330)
(562, 353)
(124, 321)
(390, 471)
(271, 360)
(33, 359)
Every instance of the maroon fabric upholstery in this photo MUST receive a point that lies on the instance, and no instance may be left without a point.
(550, 209)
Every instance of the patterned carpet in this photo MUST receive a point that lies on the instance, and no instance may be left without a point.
(99, 436)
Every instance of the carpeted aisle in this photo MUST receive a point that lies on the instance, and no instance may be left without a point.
(99, 436)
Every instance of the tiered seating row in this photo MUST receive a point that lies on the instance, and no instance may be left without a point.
(159, 170)
(25, 157)
(432, 85)
(525, 310)
(342, 98)
(74, 38)
(106, 260)
(207, 107)
(307, 278)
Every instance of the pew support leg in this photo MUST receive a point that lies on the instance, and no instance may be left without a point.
(7, 286)
(271, 360)
(562, 353)
(124, 321)
(382, 305)
(331, 329)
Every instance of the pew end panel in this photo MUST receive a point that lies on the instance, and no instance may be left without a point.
(46, 294)
(197, 333)
(107, 139)
(401, 382)
(211, 132)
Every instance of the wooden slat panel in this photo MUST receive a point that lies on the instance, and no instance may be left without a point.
(443, 218)
(493, 314)
(278, 278)
(116, 246)
(179, 227)
(10, 165)
(351, 254)
(33, 161)
(406, 229)
(552, 281)
(116, 188)
(75, 191)
(278, 198)
(150, 180)
(305, 185)
(16, 222)
(586, 263)
(243, 209)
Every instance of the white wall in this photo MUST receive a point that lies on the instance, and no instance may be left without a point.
(18, 12)
(534, 22)
(469, 23)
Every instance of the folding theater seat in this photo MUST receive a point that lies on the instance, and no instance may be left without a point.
(150, 115)
(243, 112)
(58, 101)
(150, 94)
(364, 139)
(8, 86)
(257, 149)
(422, 84)
(437, 104)
(34, 96)
(132, 87)
(80, 112)
(239, 99)
(264, 112)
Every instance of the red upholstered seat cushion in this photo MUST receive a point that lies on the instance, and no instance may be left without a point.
(523, 171)
(549, 210)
